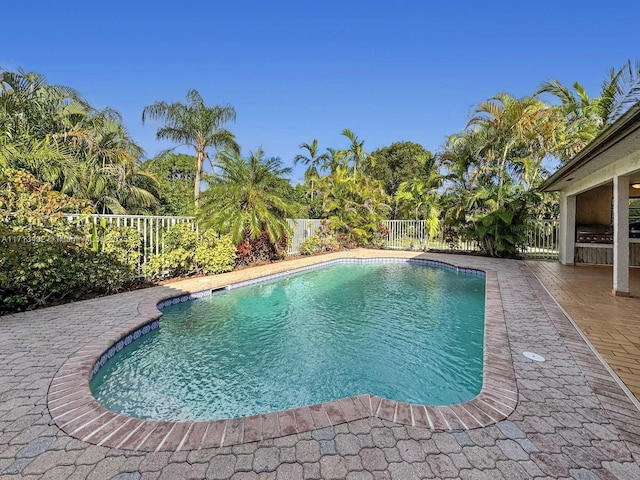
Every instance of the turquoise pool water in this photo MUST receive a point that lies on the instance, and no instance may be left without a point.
(407, 332)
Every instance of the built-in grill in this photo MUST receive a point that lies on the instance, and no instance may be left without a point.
(594, 234)
(602, 233)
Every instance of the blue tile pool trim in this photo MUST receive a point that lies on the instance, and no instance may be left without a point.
(185, 298)
(155, 324)
(122, 343)
(145, 329)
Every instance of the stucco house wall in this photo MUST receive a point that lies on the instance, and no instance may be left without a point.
(593, 207)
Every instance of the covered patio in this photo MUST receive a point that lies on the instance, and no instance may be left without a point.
(599, 245)
(595, 190)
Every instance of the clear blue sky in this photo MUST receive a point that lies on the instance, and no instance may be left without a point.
(297, 70)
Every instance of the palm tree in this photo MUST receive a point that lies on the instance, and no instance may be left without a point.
(246, 197)
(335, 159)
(31, 114)
(493, 166)
(420, 198)
(196, 125)
(355, 205)
(313, 160)
(28, 102)
(460, 160)
(620, 91)
(507, 130)
(355, 154)
(584, 116)
(56, 135)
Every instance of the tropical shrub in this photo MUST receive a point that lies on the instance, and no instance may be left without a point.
(215, 253)
(124, 243)
(261, 249)
(499, 229)
(310, 245)
(187, 252)
(248, 200)
(355, 206)
(323, 240)
(379, 237)
(176, 259)
(26, 202)
(44, 258)
(39, 273)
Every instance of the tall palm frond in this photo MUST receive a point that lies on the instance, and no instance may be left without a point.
(196, 125)
(247, 196)
(355, 154)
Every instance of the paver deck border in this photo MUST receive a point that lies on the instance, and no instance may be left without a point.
(76, 412)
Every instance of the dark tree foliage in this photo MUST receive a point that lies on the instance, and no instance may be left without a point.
(400, 162)
(297, 197)
(175, 173)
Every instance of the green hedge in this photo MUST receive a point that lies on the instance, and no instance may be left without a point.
(45, 259)
(188, 252)
(37, 270)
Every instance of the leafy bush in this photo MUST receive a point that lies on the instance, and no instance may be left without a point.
(501, 231)
(360, 233)
(176, 260)
(27, 203)
(186, 252)
(215, 253)
(379, 237)
(124, 244)
(261, 249)
(44, 258)
(40, 269)
(323, 240)
(310, 246)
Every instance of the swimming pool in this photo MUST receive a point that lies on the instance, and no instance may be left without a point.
(408, 332)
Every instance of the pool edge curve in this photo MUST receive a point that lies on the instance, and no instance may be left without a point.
(75, 411)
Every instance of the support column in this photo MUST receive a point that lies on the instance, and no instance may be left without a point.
(621, 236)
(567, 229)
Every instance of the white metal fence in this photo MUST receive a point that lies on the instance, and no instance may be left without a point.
(303, 228)
(151, 228)
(541, 239)
(414, 235)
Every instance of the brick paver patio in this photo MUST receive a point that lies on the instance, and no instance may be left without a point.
(611, 323)
(571, 420)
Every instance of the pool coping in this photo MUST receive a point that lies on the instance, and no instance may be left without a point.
(75, 411)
